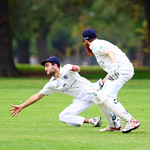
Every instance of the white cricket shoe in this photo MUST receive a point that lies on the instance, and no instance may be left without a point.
(96, 121)
(117, 123)
(131, 125)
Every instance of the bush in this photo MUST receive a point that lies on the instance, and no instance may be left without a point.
(89, 72)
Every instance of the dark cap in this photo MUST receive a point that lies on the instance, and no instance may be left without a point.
(89, 34)
(53, 59)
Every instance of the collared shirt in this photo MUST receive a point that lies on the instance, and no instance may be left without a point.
(98, 46)
(68, 82)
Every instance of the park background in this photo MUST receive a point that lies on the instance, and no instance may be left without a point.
(31, 31)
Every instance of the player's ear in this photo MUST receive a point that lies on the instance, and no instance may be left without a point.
(56, 66)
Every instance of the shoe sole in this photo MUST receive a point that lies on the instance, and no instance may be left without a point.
(103, 130)
(127, 131)
(135, 127)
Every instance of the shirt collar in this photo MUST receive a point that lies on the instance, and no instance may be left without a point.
(60, 72)
(92, 44)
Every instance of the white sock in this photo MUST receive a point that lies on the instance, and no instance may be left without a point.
(90, 120)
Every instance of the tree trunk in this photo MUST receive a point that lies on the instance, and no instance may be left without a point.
(146, 61)
(23, 51)
(7, 67)
(42, 45)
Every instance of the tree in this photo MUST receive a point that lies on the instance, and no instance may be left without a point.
(7, 67)
(21, 25)
(73, 11)
(147, 50)
(43, 15)
(139, 10)
(48, 13)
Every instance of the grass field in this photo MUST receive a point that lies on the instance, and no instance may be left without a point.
(38, 127)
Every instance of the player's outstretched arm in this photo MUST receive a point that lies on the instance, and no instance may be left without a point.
(30, 101)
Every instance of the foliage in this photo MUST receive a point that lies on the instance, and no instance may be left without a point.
(38, 126)
(20, 14)
(136, 10)
(63, 21)
(111, 26)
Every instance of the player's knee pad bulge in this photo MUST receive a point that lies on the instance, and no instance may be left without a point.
(99, 97)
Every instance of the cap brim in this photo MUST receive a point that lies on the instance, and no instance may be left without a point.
(43, 62)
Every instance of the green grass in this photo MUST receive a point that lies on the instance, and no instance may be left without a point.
(38, 127)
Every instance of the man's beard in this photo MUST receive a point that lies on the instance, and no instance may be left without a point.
(89, 51)
(52, 72)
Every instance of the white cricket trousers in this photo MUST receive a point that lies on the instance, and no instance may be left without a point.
(111, 89)
(70, 114)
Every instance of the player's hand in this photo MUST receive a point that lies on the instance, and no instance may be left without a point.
(15, 110)
(100, 83)
(75, 68)
(114, 71)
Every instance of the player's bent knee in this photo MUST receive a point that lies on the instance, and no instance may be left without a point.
(62, 117)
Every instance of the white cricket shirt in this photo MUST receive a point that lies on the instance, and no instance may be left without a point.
(97, 47)
(68, 82)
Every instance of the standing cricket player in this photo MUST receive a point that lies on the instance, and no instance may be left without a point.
(119, 70)
(68, 81)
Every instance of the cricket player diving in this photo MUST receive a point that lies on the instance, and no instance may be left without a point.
(68, 81)
(119, 70)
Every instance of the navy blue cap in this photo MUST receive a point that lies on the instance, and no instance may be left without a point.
(89, 34)
(52, 59)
